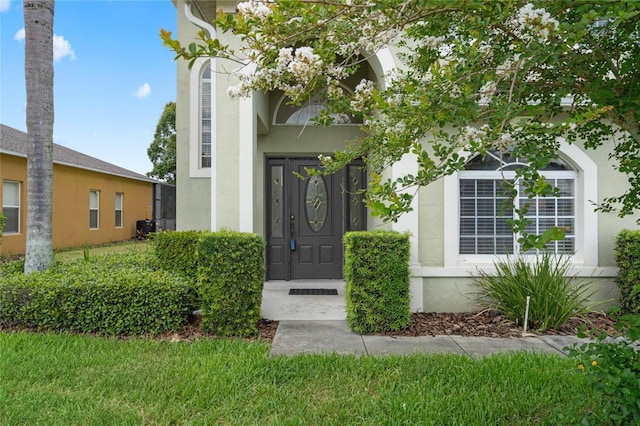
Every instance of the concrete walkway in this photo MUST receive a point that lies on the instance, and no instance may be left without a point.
(317, 324)
(333, 336)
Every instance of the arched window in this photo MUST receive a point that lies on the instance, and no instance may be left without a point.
(205, 117)
(287, 113)
(483, 218)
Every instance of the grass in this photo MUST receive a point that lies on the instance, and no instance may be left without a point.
(62, 379)
(79, 252)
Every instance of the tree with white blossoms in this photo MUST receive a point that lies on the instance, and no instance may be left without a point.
(504, 75)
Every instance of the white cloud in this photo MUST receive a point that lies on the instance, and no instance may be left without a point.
(62, 48)
(143, 91)
(4, 5)
(19, 35)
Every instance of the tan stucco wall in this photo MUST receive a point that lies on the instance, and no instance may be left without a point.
(71, 188)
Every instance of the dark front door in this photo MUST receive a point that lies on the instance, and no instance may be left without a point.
(307, 216)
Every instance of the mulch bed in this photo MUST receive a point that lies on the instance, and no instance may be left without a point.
(490, 323)
(486, 323)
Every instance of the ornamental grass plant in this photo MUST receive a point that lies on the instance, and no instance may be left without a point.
(555, 294)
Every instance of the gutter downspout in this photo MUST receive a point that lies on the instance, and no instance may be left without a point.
(214, 128)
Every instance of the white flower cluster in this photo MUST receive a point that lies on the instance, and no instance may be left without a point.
(256, 8)
(304, 64)
(369, 32)
(505, 141)
(487, 91)
(396, 129)
(285, 56)
(509, 66)
(530, 22)
(293, 69)
(469, 134)
(334, 90)
(242, 89)
(362, 94)
(433, 42)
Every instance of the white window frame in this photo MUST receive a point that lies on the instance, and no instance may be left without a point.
(195, 119)
(11, 206)
(510, 176)
(94, 207)
(119, 209)
(586, 232)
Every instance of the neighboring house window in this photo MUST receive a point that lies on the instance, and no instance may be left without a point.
(119, 199)
(94, 209)
(205, 118)
(483, 220)
(11, 206)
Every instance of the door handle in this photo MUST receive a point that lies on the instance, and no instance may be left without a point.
(292, 234)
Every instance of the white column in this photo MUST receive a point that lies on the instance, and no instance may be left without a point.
(247, 140)
(409, 222)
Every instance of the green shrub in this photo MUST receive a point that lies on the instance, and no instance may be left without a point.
(230, 280)
(2, 222)
(556, 296)
(177, 252)
(377, 281)
(11, 267)
(112, 294)
(612, 368)
(628, 279)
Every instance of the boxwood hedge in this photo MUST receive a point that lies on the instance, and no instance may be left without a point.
(628, 279)
(112, 294)
(230, 280)
(177, 251)
(376, 272)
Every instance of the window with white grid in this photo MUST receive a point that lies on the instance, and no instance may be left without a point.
(205, 118)
(11, 206)
(94, 209)
(119, 200)
(484, 209)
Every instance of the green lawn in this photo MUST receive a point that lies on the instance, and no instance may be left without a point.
(76, 253)
(60, 379)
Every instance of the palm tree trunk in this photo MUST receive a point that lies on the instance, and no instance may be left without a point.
(38, 59)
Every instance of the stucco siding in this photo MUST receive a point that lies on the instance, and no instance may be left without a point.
(460, 294)
(71, 187)
(433, 223)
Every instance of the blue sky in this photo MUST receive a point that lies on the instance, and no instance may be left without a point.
(112, 76)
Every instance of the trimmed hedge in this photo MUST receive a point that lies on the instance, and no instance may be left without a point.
(112, 294)
(2, 222)
(627, 257)
(377, 281)
(177, 252)
(230, 280)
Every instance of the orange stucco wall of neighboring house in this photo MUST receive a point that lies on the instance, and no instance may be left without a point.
(71, 194)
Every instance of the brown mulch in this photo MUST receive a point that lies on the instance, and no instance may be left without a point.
(490, 323)
(486, 323)
(191, 331)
